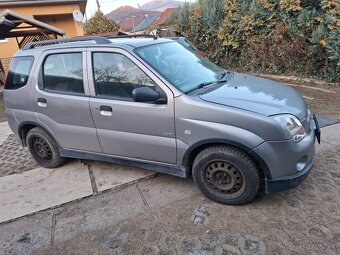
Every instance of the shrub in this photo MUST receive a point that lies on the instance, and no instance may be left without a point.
(99, 24)
(298, 37)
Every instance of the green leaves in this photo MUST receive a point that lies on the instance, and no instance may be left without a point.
(99, 24)
(274, 36)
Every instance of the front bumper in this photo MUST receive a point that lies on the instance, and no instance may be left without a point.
(291, 181)
(288, 163)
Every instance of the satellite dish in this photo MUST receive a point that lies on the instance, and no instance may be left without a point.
(77, 16)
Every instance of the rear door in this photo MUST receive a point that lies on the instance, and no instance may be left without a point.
(127, 128)
(61, 99)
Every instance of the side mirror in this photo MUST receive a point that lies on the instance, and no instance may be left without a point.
(147, 94)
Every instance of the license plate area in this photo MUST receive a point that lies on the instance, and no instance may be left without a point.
(317, 130)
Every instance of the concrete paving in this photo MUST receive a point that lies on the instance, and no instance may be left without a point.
(168, 215)
(39, 189)
(26, 188)
(108, 176)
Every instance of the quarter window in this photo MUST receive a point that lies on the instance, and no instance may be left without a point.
(19, 72)
(116, 76)
(64, 73)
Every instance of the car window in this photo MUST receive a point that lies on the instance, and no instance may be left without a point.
(116, 76)
(64, 73)
(19, 72)
(182, 67)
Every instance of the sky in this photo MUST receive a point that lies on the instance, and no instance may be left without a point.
(107, 6)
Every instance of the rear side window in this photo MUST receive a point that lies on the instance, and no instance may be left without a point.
(19, 71)
(64, 73)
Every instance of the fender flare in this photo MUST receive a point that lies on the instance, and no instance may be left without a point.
(195, 148)
(23, 140)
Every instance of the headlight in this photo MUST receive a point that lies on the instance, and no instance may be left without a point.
(292, 125)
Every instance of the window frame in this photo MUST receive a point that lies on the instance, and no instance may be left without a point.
(29, 75)
(84, 76)
(91, 74)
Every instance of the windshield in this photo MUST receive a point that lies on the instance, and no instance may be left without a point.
(182, 67)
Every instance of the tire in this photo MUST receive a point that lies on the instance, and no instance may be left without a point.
(43, 149)
(226, 175)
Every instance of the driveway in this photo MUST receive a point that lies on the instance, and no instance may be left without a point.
(99, 208)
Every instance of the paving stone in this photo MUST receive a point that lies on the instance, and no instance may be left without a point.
(331, 134)
(166, 189)
(97, 212)
(26, 234)
(14, 158)
(41, 188)
(5, 131)
(109, 175)
(327, 121)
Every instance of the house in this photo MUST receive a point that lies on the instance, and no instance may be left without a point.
(145, 23)
(163, 17)
(55, 17)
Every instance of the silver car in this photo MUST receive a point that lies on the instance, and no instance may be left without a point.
(154, 104)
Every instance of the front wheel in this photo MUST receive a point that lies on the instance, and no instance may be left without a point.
(226, 175)
(43, 149)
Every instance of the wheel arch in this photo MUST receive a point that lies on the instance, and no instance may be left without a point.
(192, 152)
(26, 126)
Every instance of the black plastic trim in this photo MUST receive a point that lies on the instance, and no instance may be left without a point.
(154, 166)
(23, 142)
(97, 39)
(208, 142)
(288, 182)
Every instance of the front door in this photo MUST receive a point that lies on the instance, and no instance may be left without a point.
(127, 128)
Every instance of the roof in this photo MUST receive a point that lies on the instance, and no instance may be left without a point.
(126, 23)
(10, 22)
(10, 3)
(164, 16)
(146, 22)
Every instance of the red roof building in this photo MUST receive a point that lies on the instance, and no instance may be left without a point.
(163, 17)
(126, 24)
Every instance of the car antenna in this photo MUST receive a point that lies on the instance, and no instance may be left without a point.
(145, 15)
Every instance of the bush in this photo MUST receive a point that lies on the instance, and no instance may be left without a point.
(100, 24)
(299, 37)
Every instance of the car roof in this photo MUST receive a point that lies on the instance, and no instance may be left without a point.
(139, 42)
(115, 42)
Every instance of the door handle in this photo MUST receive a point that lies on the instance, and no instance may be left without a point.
(42, 102)
(105, 110)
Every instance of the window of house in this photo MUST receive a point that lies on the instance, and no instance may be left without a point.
(64, 73)
(19, 71)
(116, 76)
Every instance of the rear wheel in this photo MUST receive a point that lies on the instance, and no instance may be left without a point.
(43, 149)
(226, 174)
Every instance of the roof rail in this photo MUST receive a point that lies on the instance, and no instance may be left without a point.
(97, 39)
(131, 36)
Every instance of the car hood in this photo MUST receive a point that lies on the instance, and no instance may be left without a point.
(258, 95)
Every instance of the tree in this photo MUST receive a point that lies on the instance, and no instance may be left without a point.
(99, 24)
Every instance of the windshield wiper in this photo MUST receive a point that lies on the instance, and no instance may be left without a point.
(223, 74)
(222, 78)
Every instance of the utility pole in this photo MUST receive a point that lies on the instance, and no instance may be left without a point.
(98, 5)
(133, 23)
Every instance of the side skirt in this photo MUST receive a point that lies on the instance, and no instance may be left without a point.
(149, 165)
